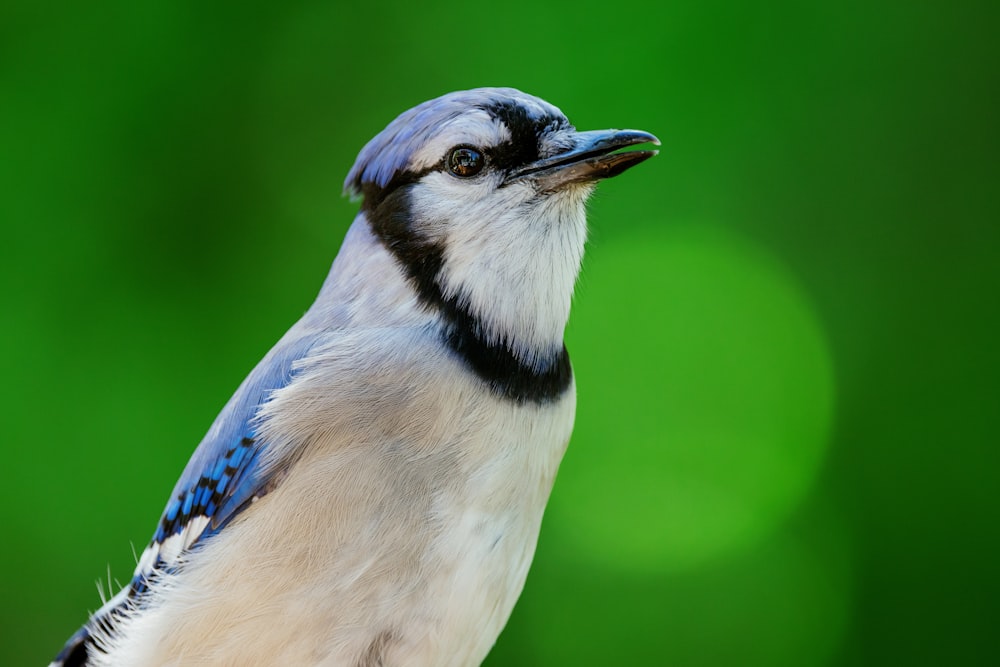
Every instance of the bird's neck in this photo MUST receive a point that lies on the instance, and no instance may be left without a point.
(503, 314)
(516, 278)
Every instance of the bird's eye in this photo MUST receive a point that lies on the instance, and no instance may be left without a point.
(465, 161)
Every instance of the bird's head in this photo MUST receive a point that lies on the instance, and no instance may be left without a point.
(480, 196)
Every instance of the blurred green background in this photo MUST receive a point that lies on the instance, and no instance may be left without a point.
(785, 334)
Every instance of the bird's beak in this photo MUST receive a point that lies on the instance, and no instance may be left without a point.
(592, 157)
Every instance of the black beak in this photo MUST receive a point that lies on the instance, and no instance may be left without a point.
(592, 158)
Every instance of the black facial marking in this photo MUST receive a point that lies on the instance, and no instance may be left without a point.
(525, 133)
(494, 363)
(374, 195)
(420, 258)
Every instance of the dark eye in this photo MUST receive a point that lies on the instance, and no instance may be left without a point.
(465, 162)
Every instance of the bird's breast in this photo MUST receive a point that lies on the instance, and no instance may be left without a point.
(401, 535)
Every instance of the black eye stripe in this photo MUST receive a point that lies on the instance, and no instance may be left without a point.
(521, 149)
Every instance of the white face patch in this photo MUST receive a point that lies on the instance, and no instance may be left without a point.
(510, 256)
(475, 128)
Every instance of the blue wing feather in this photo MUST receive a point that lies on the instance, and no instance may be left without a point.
(224, 474)
(222, 477)
(217, 489)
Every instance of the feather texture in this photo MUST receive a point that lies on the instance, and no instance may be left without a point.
(373, 491)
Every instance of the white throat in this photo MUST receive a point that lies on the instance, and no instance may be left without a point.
(514, 268)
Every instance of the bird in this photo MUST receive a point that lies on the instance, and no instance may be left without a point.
(372, 494)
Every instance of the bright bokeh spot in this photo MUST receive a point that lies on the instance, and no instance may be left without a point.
(705, 399)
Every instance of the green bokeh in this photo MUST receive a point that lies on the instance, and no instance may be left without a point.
(721, 376)
(785, 335)
(784, 602)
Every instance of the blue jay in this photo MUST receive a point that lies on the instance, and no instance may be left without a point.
(372, 493)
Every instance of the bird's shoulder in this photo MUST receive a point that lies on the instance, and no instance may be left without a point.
(226, 473)
(343, 370)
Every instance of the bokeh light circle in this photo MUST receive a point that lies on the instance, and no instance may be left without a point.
(705, 392)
